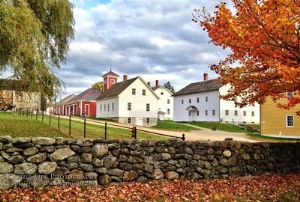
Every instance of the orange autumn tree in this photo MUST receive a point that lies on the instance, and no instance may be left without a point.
(264, 39)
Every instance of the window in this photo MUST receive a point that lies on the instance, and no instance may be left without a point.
(148, 120)
(104, 107)
(206, 112)
(190, 101)
(235, 112)
(213, 112)
(244, 113)
(289, 95)
(168, 101)
(129, 105)
(190, 113)
(226, 112)
(100, 108)
(289, 121)
(252, 113)
(144, 92)
(206, 99)
(133, 91)
(182, 102)
(198, 100)
(129, 120)
(113, 106)
(162, 93)
(107, 107)
(147, 107)
(168, 111)
(198, 113)
(112, 81)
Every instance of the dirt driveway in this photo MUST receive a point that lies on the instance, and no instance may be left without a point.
(203, 134)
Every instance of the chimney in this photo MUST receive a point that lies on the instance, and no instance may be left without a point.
(124, 77)
(156, 83)
(205, 76)
(148, 83)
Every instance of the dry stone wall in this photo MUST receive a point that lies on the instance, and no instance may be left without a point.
(36, 162)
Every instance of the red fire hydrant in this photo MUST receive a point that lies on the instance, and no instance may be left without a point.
(133, 132)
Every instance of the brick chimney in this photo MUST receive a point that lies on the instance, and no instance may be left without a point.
(205, 76)
(124, 77)
(156, 83)
(148, 83)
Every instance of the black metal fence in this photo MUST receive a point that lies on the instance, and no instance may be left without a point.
(70, 125)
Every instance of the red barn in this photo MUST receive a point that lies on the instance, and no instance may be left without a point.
(84, 102)
(59, 107)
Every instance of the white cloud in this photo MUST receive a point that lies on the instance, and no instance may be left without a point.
(155, 39)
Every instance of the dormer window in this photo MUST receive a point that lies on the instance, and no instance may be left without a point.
(112, 81)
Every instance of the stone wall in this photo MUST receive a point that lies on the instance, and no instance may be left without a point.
(41, 161)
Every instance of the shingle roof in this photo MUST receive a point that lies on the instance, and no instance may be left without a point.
(88, 95)
(110, 73)
(202, 86)
(116, 89)
(66, 99)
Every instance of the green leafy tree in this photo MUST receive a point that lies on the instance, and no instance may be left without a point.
(34, 39)
(169, 86)
(98, 85)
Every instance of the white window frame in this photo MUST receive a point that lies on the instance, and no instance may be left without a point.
(226, 112)
(129, 106)
(288, 121)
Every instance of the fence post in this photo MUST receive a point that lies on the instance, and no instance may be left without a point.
(105, 130)
(133, 132)
(58, 123)
(70, 121)
(84, 127)
(36, 114)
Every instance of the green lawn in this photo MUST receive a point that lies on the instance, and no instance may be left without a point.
(33, 126)
(173, 126)
(220, 126)
(22, 126)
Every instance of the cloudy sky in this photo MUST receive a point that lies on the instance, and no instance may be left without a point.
(154, 39)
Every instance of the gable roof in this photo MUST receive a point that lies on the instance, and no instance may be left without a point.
(161, 87)
(88, 95)
(66, 99)
(118, 88)
(202, 86)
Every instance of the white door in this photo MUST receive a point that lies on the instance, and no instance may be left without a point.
(139, 121)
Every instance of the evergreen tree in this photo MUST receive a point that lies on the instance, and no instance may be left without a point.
(169, 86)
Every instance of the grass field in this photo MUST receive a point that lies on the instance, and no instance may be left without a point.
(173, 126)
(33, 126)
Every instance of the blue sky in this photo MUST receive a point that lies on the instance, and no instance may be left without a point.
(154, 39)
